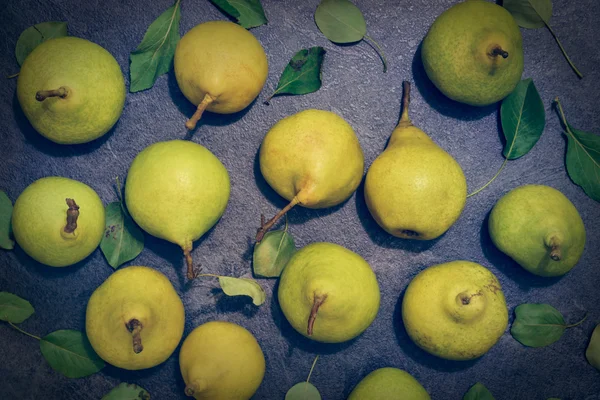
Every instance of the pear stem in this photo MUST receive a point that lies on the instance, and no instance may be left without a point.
(135, 327)
(61, 92)
(72, 215)
(319, 300)
(498, 51)
(189, 391)
(264, 227)
(191, 271)
(555, 253)
(191, 123)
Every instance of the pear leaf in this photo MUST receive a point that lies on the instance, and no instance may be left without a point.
(123, 240)
(127, 391)
(523, 119)
(14, 309)
(248, 13)
(303, 391)
(70, 353)
(530, 14)
(478, 392)
(37, 34)
(243, 287)
(538, 325)
(154, 55)
(593, 350)
(6, 241)
(272, 253)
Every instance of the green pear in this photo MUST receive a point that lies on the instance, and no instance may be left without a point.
(71, 90)
(414, 189)
(177, 190)
(328, 293)
(313, 159)
(539, 228)
(473, 53)
(58, 221)
(389, 384)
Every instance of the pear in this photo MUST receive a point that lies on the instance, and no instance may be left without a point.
(539, 228)
(177, 190)
(414, 189)
(221, 361)
(135, 319)
(473, 53)
(219, 67)
(455, 310)
(58, 221)
(311, 158)
(71, 90)
(328, 293)
(389, 384)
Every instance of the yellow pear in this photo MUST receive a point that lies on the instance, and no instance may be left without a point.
(389, 384)
(414, 189)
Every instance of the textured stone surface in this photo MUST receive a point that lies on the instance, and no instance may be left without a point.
(354, 87)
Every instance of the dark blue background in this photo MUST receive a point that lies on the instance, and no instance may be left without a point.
(355, 87)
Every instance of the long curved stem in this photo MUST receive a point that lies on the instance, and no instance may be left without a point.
(318, 301)
(491, 180)
(264, 227)
(577, 323)
(379, 51)
(579, 74)
(23, 332)
(312, 368)
(191, 123)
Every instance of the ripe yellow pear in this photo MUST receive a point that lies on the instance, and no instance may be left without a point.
(313, 159)
(414, 189)
(455, 310)
(220, 67)
(389, 384)
(135, 319)
(221, 361)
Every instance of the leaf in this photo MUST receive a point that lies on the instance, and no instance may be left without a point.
(6, 235)
(14, 309)
(70, 353)
(530, 14)
(593, 350)
(340, 21)
(583, 157)
(272, 254)
(302, 75)
(123, 240)
(127, 391)
(37, 34)
(523, 119)
(478, 392)
(249, 13)
(303, 391)
(537, 325)
(154, 56)
(243, 287)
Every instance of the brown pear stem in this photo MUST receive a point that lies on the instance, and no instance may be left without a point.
(555, 253)
(191, 271)
(191, 123)
(135, 327)
(264, 227)
(189, 391)
(72, 215)
(61, 92)
(318, 301)
(498, 51)
(404, 119)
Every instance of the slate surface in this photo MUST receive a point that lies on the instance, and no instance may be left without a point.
(354, 87)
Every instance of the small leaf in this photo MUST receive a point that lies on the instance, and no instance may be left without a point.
(123, 240)
(478, 392)
(302, 75)
(6, 208)
(249, 13)
(523, 119)
(243, 287)
(340, 21)
(37, 34)
(537, 325)
(531, 14)
(70, 353)
(593, 350)
(303, 391)
(127, 391)
(272, 254)
(14, 309)
(154, 56)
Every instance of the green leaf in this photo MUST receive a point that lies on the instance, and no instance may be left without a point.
(123, 240)
(249, 13)
(6, 235)
(154, 56)
(37, 34)
(523, 119)
(478, 392)
(14, 309)
(593, 350)
(302, 75)
(272, 254)
(531, 14)
(537, 325)
(70, 353)
(127, 391)
(340, 21)
(243, 287)
(583, 157)
(303, 391)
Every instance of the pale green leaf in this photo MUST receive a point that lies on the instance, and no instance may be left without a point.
(37, 34)
(531, 14)
(127, 391)
(243, 287)
(14, 309)
(340, 21)
(123, 240)
(478, 392)
(273, 253)
(303, 391)
(249, 13)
